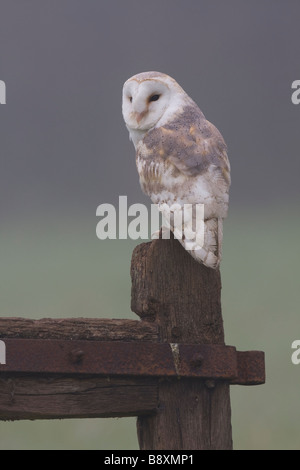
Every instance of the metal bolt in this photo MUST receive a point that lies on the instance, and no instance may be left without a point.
(210, 383)
(197, 360)
(76, 356)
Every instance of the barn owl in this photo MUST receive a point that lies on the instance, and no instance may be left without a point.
(181, 158)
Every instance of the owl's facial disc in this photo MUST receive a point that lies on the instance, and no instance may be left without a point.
(144, 103)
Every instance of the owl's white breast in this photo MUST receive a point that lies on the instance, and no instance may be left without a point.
(136, 136)
(158, 181)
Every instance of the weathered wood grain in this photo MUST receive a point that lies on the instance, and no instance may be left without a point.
(184, 299)
(100, 329)
(59, 397)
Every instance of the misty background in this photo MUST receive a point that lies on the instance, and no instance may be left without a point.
(65, 150)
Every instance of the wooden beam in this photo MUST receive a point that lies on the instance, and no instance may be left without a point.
(23, 397)
(100, 329)
(57, 396)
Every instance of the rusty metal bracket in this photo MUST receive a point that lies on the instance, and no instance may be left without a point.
(119, 358)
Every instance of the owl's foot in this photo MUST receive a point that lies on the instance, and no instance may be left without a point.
(164, 233)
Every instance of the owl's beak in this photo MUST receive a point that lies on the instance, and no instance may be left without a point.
(140, 116)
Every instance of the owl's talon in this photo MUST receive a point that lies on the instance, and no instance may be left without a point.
(163, 233)
(155, 235)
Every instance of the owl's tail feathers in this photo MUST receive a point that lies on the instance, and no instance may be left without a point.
(210, 254)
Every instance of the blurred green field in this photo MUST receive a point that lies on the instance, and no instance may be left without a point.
(58, 268)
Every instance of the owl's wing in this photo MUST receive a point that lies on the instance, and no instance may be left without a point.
(194, 146)
(198, 148)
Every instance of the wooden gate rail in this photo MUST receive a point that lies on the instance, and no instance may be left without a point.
(172, 369)
(138, 358)
(47, 396)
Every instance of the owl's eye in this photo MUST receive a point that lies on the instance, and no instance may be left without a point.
(130, 99)
(154, 98)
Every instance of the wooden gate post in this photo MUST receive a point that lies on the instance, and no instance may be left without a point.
(184, 299)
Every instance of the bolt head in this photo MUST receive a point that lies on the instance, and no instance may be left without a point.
(197, 360)
(76, 356)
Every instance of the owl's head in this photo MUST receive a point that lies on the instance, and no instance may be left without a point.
(150, 98)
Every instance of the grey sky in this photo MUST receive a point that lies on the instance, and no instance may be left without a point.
(64, 146)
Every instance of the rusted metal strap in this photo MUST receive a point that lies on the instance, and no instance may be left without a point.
(115, 358)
